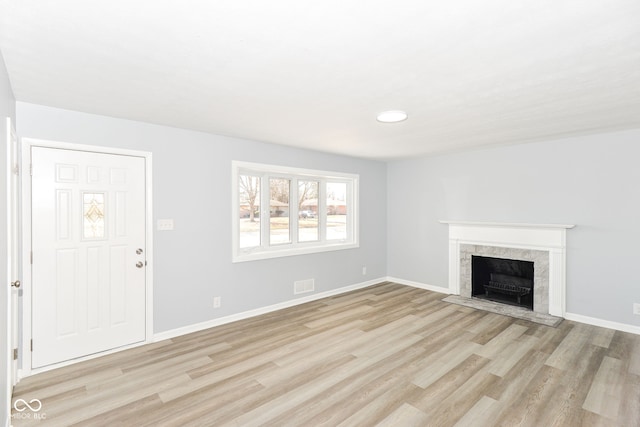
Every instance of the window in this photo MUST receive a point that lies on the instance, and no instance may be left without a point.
(281, 211)
(279, 221)
(93, 215)
(249, 188)
(307, 216)
(336, 210)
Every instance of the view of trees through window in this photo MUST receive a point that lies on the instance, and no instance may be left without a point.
(249, 210)
(307, 211)
(336, 211)
(279, 212)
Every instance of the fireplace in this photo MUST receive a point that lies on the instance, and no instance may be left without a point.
(506, 281)
(542, 244)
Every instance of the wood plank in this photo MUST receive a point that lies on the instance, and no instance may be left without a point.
(606, 390)
(406, 415)
(480, 414)
(377, 408)
(630, 403)
(569, 348)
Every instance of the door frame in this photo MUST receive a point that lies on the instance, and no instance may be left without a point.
(13, 271)
(13, 243)
(26, 145)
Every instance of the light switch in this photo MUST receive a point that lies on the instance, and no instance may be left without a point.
(165, 224)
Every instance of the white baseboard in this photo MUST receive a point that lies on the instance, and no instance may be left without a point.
(569, 316)
(258, 311)
(420, 285)
(603, 323)
(268, 309)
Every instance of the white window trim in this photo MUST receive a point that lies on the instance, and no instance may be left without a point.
(294, 248)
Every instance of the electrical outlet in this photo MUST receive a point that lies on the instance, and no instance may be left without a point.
(636, 308)
(364, 270)
(217, 302)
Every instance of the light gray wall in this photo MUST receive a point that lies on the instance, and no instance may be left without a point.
(7, 109)
(192, 185)
(589, 181)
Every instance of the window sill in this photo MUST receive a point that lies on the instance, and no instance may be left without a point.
(287, 252)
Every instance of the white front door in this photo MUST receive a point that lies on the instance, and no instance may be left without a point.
(88, 243)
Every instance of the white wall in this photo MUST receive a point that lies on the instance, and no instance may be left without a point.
(589, 181)
(192, 185)
(7, 109)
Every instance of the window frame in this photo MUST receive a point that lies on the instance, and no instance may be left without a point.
(266, 250)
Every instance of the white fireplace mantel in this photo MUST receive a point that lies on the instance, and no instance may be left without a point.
(543, 237)
(507, 224)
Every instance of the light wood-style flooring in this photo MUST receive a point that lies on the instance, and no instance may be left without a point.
(387, 355)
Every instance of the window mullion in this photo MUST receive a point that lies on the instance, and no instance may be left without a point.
(294, 216)
(322, 211)
(265, 212)
(350, 212)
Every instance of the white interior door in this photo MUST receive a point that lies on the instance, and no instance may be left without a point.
(88, 244)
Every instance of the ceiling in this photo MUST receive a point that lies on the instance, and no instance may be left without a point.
(315, 74)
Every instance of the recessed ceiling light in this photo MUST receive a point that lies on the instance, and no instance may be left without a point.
(392, 116)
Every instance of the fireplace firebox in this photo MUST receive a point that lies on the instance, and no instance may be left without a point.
(501, 280)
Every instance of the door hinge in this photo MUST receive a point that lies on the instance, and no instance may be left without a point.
(31, 345)
(16, 170)
(15, 354)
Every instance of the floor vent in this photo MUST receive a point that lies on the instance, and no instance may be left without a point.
(303, 286)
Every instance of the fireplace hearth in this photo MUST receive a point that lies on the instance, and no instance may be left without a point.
(506, 281)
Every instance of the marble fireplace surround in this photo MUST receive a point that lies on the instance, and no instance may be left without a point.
(540, 261)
(544, 244)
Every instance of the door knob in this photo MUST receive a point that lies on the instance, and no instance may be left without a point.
(138, 251)
(16, 284)
(139, 264)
